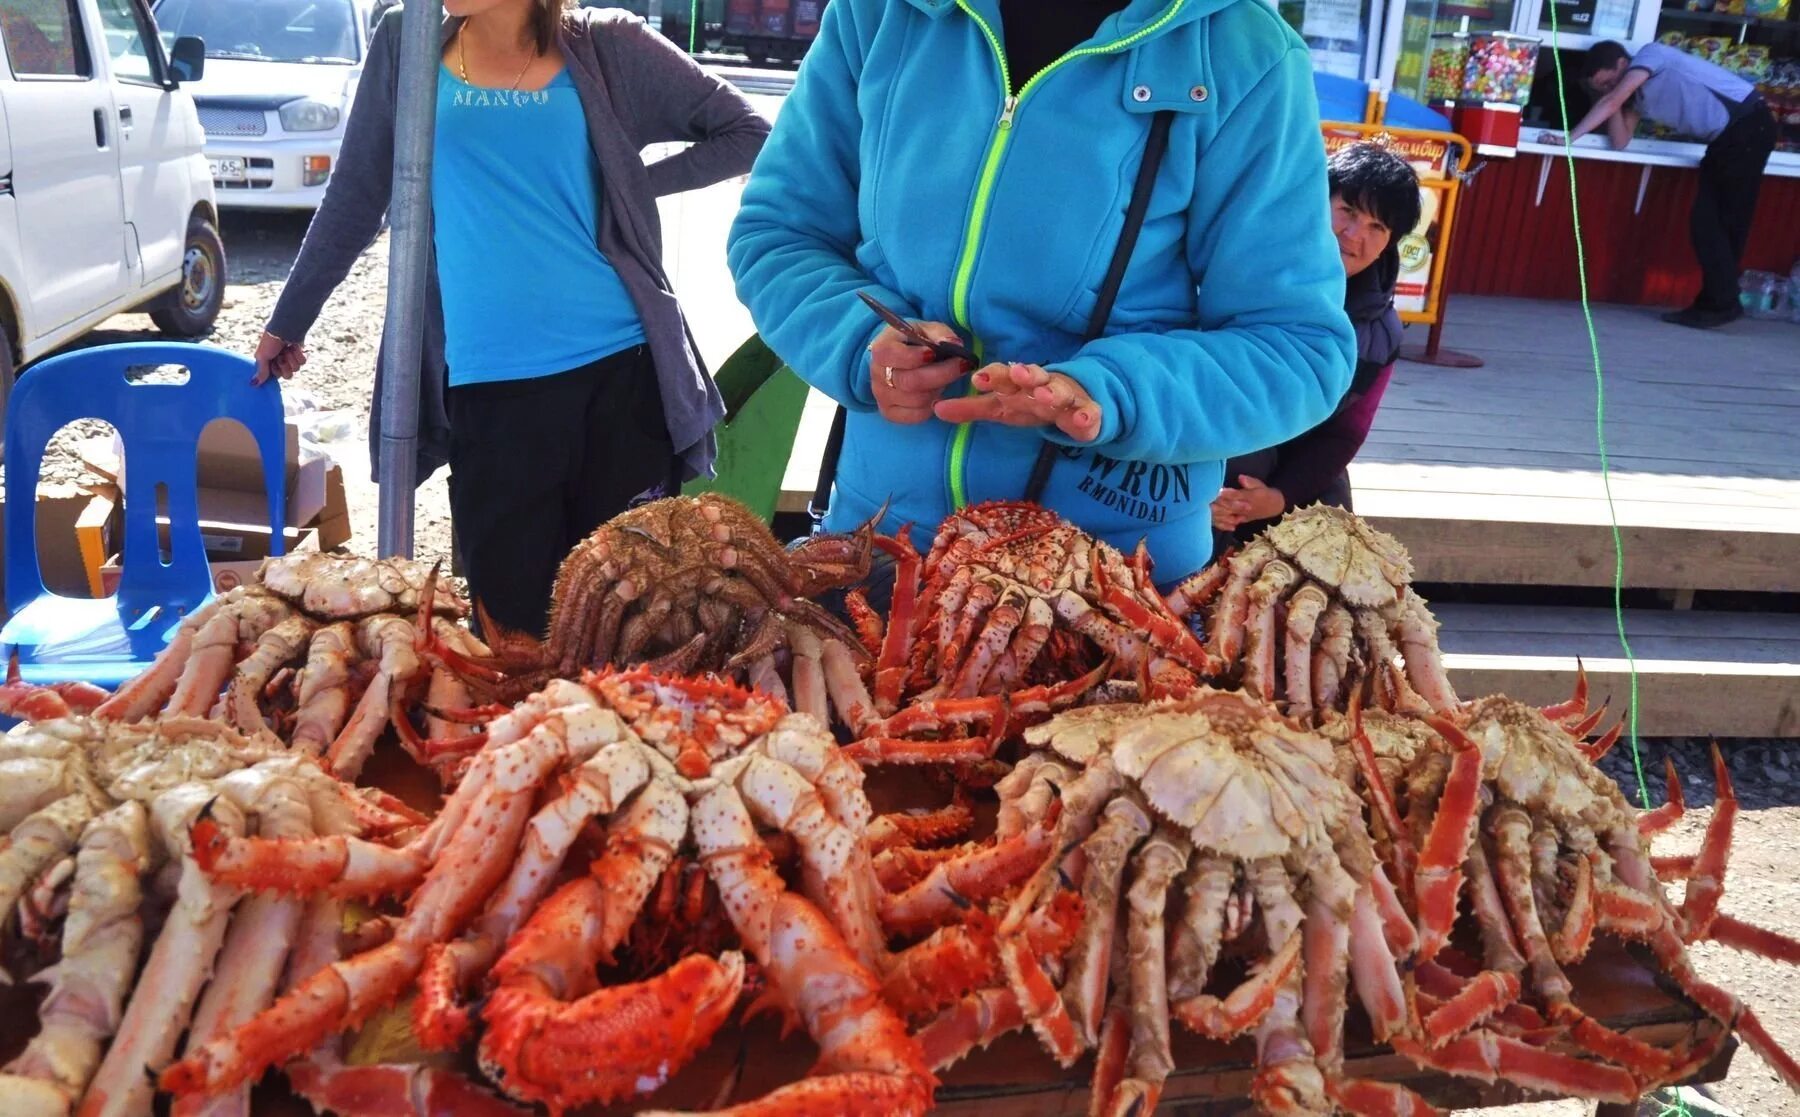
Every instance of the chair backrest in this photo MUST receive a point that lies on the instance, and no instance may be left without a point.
(159, 425)
(764, 400)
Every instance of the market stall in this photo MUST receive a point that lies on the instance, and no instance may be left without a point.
(1488, 69)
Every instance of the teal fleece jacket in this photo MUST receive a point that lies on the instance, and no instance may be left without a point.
(900, 164)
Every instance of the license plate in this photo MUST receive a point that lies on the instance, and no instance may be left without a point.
(228, 170)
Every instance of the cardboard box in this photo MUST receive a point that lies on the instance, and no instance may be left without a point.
(228, 461)
(59, 508)
(95, 530)
(226, 574)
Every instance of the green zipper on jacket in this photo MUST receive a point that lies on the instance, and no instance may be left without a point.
(984, 189)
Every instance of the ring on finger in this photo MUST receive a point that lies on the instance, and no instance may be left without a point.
(887, 375)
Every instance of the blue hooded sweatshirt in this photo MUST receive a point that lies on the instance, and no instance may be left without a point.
(901, 165)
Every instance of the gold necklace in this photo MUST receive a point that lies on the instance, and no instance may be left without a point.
(462, 62)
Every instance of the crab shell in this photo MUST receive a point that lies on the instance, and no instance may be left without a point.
(1537, 764)
(343, 587)
(1368, 568)
(1241, 781)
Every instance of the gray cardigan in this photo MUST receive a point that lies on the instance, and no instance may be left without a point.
(637, 89)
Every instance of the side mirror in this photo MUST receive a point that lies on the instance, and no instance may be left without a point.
(187, 60)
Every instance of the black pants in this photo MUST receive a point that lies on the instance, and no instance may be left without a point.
(536, 465)
(1731, 173)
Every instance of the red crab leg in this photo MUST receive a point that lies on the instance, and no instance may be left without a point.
(1247, 1004)
(1652, 823)
(1471, 1006)
(1381, 796)
(1706, 884)
(1733, 932)
(952, 886)
(1197, 590)
(1577, 704)
(1604, 744)
(1362, 1098)
(1438, 881)
(890, 667)
(1571, 941)
(867, 621)
(1039, 999)
(1487, 1056)
(1048, 698)
(1588, 724)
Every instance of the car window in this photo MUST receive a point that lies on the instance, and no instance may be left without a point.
(127, 40)
(43, 39)
(319, 31)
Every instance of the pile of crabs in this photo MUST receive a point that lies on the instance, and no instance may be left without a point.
(1252, 808)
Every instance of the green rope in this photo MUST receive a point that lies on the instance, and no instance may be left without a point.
(1612, 513)
(693, 24)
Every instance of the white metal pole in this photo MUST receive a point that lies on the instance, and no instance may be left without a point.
(415, 115)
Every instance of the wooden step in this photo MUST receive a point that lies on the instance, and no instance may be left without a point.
(1699, 673)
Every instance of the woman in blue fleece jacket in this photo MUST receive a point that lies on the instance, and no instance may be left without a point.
(968, 162)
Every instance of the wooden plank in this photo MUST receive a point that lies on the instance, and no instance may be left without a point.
(1699, 674)
(1496, 552)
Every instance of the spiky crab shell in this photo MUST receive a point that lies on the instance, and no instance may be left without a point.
(1369, 569)
(1534, 762)
(347, 587)
(1240, 780)
(675, 712)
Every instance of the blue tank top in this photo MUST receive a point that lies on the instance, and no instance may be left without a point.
(515, 195)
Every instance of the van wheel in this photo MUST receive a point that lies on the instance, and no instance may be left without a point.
(197, 301)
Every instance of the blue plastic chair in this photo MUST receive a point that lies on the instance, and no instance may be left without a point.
(108, 640)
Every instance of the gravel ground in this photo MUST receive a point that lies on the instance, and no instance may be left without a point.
(1764, 883)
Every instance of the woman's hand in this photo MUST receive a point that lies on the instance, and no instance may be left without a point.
(1249, 502)
(275, 357)
(1026, 396)
(904, 378)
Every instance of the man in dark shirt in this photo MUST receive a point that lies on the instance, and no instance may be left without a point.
(1709, 103)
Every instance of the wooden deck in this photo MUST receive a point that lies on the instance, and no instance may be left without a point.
(1492, 475)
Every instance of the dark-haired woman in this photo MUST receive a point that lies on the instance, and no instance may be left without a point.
(1374, 202)
(559, 381)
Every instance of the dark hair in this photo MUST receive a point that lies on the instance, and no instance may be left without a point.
(1369, 177)
(1603, 55)
(546, 16)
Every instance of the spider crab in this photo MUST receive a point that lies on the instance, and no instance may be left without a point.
(1312, 605)
(685, 584)
(1213, 800)
(666, 765)
(1013, 614)
(323, 648)
(99, 814)
(1504, 806)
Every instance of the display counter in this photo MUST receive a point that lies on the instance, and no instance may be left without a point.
(1513, 228)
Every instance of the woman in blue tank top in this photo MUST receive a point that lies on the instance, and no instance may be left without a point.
(565, 384)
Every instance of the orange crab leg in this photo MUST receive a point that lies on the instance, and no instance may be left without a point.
(974, 1022)
(339, 865)
(1588, 724)
(1570, 944)
(892, 750)
(1040, 1001)
(952, 886)
(614, 1043)
(1438, 880)
(1247, 1004)
(890, 666)
(1198, 590)
(1471, 1006)
(1652, 823)
(1736, 933)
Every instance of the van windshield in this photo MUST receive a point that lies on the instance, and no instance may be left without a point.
(266, 30)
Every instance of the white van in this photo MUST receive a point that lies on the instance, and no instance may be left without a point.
(106, 203)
